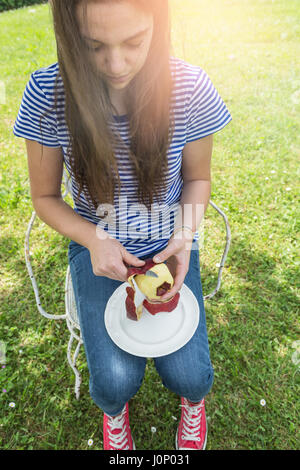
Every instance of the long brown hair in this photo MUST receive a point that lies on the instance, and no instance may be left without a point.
(88, 109)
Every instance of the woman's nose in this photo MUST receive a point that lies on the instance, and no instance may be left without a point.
(115, 63)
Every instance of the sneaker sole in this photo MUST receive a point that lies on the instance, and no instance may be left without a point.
(176, 441)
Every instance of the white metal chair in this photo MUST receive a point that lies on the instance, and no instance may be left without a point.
(70, 315)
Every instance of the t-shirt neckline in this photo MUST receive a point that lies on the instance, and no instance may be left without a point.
(121, 118)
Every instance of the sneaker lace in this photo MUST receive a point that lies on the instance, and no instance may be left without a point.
(118, 439)
(191, 421)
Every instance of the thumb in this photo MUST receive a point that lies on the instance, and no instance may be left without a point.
(131, 259)
(163, 255)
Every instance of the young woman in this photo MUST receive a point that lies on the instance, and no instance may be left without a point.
(130, 122)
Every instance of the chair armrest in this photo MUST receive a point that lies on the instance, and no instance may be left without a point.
(31, 275)
(227, 245)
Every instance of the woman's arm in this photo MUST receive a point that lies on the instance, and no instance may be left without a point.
(108, 256)
(196, 173)
(45, 174)
(194, 201)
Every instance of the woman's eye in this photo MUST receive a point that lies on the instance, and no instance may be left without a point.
(135, 45)
(93, 49)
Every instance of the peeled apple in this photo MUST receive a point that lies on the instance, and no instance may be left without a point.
(152, 288)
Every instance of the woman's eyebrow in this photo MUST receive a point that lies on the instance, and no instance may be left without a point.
(128, 39)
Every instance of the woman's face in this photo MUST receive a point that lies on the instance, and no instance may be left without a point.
(118, 38)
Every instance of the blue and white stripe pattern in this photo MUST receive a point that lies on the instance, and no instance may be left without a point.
(198, 110)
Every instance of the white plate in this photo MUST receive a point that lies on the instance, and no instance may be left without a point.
(151, 336)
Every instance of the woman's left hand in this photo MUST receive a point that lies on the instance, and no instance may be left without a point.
(176, 255)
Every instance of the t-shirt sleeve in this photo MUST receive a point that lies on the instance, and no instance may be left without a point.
(30, 123)
(206, 113)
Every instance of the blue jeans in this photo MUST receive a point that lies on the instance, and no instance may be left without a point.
(115, 375)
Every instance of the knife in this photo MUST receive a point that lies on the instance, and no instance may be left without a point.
(151, 273)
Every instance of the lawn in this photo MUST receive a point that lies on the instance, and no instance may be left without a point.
(250, 50)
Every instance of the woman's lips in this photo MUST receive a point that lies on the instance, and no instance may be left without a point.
(117, 80)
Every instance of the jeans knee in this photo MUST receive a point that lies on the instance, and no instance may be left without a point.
(194, 386)
(111, 392)
(201, 385)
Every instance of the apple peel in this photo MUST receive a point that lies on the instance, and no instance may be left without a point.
(166, 306)
(152, 288)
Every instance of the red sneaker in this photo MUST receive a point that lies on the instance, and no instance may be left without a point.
(192, 429)
(116, 431)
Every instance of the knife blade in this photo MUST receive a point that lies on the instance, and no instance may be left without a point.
(151, 273)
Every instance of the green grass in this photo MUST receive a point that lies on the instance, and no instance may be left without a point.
(250, 49)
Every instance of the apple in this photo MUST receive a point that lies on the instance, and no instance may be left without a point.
(152, 288)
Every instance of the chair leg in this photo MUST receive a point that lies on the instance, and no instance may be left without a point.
(72, 361)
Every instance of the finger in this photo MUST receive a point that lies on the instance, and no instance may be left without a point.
(112, 273)
(131, 259)
(178, 282)
(123, 270)
(171, 293)
(120, 274)
(164, 254)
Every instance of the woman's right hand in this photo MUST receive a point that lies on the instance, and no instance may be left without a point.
(111, 259)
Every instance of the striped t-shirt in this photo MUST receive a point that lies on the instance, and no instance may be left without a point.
(198, 112)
